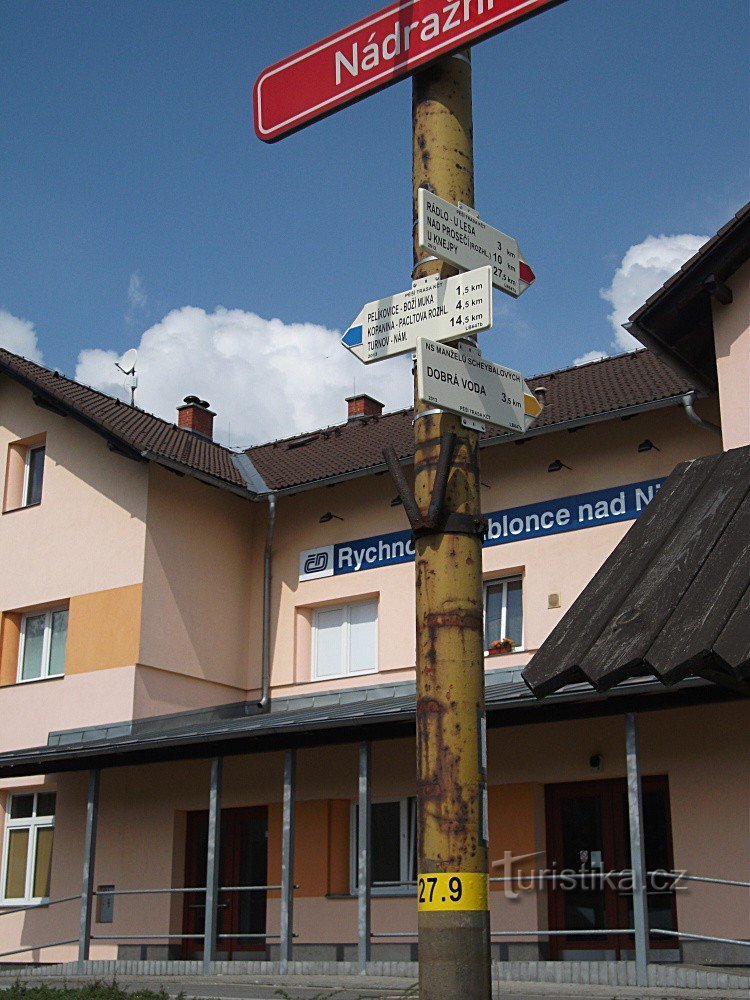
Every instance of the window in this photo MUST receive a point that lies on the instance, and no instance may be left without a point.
(393, 828)
(42, 649)
(503, 612)
(27, 852)
(33, 475)
(24, 473)
(345, 640)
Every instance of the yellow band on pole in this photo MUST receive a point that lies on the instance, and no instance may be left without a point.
(453, 891)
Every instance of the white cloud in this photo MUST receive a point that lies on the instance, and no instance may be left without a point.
(265, 378)
(137, 298)
(19, 336)
(590, 356)
(644, 269)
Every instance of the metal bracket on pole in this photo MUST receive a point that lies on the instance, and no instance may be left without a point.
(89, 859)
(438, 520)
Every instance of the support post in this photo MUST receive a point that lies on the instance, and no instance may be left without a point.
(287, 861)
(212, 865)
(89, 860)
(637, 849)
(454, 935)
(364, 858)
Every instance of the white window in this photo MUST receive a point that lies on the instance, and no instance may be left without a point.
(44, 637)
(33, 476)
(27, 851)
(503, 612)
(345, 640)
(393, 835)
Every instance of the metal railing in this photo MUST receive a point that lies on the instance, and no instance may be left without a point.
(530, 879)
(541, 877)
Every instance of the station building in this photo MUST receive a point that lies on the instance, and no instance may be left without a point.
(207, 668)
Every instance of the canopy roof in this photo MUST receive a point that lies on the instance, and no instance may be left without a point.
(673, 599)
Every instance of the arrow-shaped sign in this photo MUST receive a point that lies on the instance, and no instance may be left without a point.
(460, 380)
(443, 309)
(457, 235)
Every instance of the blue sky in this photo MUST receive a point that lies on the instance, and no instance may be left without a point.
(135, 199)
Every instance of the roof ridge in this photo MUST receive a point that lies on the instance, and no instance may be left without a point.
(402, 410)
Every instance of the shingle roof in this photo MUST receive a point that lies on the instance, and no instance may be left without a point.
(673, 599)
(132, 429)
(579, 394)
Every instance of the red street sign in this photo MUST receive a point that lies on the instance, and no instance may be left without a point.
(372, 54)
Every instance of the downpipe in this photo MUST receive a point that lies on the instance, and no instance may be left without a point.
(265, 698)
(688, 401)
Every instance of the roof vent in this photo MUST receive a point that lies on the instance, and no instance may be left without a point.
(363, 406)
(195, 416)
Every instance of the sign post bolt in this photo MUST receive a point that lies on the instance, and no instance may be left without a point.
(453, 918)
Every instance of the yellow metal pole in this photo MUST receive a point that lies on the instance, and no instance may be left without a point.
(454, 939)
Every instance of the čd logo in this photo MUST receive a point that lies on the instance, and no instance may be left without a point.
(316, 562)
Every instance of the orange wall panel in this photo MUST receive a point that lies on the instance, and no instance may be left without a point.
(339, 812)
(310, 847)
(10, 638)
(104, 629)
(513, 811)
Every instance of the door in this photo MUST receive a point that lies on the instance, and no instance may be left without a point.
(243, 863)
(588, 839)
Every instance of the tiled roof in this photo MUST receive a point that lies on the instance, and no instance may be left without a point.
(580, 394)
(574, 394)
(134, 430)
(673, 599)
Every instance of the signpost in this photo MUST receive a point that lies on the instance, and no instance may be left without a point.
(445, 309)
(457, 235)
(452, 809)
(461, 381)
(372, 54)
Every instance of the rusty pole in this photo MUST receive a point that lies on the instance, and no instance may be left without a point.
(454, 933)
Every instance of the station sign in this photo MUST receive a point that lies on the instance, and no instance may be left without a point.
(443, 308)
(461, 381)
(542, 519)
(457, 235)
(374, 53)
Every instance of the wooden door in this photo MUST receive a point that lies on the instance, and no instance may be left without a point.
(243, 864)
(588, 836)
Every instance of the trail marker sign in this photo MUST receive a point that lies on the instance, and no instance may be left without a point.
(461, 381)
(372, 54)
(444, 309)
(456, 234)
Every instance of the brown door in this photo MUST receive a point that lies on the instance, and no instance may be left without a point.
(243, 863)
(588, 838)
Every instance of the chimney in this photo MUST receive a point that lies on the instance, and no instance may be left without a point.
(195, 416)
(363, 406)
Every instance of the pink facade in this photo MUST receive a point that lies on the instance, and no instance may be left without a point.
(160, 582)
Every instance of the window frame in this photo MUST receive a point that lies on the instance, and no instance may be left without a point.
(345, 640)
(494, 582)
(31, 450)
(407, 848)
(33, 824)
(46, 645)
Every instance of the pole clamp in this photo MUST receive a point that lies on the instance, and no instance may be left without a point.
(437, 519)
